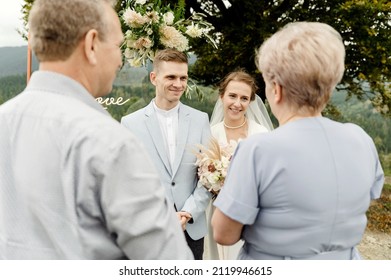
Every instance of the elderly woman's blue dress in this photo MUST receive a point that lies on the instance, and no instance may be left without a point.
(302, 190)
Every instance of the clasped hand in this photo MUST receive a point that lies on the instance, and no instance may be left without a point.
(183, 217)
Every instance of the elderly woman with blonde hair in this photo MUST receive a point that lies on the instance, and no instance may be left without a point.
(302, 190)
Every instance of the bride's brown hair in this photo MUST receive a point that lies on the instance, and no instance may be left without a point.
(239, 75)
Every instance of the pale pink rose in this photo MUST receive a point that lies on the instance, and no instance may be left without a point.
(143, 42)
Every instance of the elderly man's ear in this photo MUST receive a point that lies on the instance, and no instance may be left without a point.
(90, 46)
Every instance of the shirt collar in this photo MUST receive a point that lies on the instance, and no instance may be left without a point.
(57, 83)
(172, 112)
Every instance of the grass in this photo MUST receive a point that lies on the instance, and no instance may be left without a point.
(379, 213)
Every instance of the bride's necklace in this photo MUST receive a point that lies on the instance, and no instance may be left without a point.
(235, 127)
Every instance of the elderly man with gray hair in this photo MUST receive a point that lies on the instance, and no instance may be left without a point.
(74, 183)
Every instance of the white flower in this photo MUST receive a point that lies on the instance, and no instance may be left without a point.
(134, 19)
(212, 178)
(130, 43)
(172, 38)
(168, 18)
(194, 31)
(136, 62)
(213, 162)
(128, 53)
(151, 54)
(224, 162)
(151, 26)
(149, 31)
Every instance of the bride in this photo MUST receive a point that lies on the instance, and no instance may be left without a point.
(238, 113)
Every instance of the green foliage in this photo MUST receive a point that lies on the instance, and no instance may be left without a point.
(385, 160)
(379, 213)
(26, 7)
(179, 9)
(134, 76)
(365, 26)
(367, 39)
(362, 113)
(11, 86)
(158, 26)
(206, 103)
(133, 86)
(136, 97)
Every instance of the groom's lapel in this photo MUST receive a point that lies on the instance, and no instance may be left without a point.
(183, 133)
(156, 135)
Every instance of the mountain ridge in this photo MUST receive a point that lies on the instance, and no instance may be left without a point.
(13, 61)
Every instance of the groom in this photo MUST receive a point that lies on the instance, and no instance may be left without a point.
(170, 131)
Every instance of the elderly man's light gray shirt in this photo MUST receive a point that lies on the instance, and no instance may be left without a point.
(75, 184)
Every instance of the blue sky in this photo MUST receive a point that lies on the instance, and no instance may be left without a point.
(10, 20)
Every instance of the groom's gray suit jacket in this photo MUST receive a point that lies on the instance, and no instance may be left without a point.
(180, 181)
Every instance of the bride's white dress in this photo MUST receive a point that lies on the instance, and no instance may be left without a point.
(212, 250)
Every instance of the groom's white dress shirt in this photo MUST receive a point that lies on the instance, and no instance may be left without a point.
(168, 121)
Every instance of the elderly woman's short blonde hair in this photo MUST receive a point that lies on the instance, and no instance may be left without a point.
(307, 60)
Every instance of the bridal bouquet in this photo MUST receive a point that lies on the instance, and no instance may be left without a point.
(151, 26)
(213, 162)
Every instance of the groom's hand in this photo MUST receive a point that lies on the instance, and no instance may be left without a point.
(183, 217)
